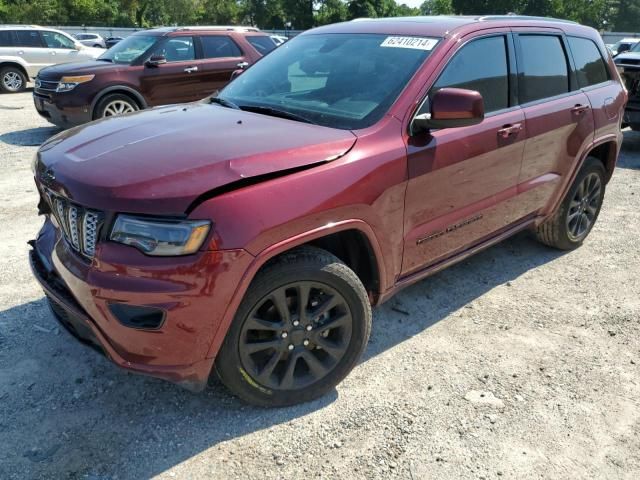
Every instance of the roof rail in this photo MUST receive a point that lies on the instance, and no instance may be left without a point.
(4, 25)
(513, 16)
(233, 28)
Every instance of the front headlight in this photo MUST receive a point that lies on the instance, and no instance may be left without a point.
(160, 237)
(67, 84)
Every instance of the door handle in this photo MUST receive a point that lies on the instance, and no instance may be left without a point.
(580, 109)
(508, 130)
(191, 69)
(20, 52)
(243, 65)
(53, 53)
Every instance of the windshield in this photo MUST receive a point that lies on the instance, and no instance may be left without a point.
(635, 47)
(345, 81)
(129, 49)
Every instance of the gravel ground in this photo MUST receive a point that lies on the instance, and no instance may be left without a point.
(521, 362)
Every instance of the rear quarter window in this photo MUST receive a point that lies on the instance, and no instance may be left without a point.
(544, 71)
(590, 66)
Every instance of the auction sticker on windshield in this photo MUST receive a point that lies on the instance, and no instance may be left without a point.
(417, 43)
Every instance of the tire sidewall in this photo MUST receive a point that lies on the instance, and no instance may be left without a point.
(229, 365)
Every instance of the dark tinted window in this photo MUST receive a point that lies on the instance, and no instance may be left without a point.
(590, 66)
(543, 67)
(482, 66)
(6, 38)
(178, 49)
(217, 46)
(262, 44)
(27, 38)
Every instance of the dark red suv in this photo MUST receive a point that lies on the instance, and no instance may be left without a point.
(149, 68)
(253, 232)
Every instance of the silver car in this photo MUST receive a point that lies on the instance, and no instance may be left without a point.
(91, 40)
(24, 50)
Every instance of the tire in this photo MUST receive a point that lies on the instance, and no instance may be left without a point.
(307, 359)
(12, 80)
(582, 202)
(113, 103)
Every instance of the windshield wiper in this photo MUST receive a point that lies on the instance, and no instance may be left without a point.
(276, 113)
(224, 103)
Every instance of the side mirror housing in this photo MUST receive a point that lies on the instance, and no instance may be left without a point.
(451, 108)
(156, 60)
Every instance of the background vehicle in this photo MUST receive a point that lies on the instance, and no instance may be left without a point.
(256, 230)
(148, 68)
(624, 45)
(91, 40)
(111, 41)
(628, 65)
(24, 50)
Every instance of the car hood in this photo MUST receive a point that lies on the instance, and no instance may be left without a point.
(56, 72)
(159, 161)
(627, 56)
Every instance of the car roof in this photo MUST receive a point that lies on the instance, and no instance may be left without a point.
(442, 26)
(629, 40)
(200, 28)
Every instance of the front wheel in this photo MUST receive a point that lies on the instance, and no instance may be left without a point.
(12, 80)
(573, 220)
(301, 328)
(115, 104)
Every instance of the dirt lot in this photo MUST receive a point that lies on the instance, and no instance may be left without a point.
(521, 362)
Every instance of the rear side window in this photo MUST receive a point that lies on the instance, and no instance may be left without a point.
(544, 72)
(27, 38)
(262, 44)
(219, 46)
(6, 38)
(482, 66)
(590, 66)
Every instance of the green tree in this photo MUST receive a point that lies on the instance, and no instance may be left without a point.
(436, 7)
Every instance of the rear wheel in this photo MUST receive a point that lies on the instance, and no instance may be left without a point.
(301, 328)
(573, 220)
(115, 104)
(12, 80)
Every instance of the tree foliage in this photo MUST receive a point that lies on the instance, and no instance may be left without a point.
(620, 15)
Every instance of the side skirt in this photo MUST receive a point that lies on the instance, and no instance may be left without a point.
(407, 280)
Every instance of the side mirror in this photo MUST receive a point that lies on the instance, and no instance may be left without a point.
(156, 60)
(451, 108)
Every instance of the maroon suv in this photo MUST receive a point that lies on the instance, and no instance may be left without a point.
(149, 68)
(252, 233)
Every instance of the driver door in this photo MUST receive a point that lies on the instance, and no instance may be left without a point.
(59, 48)
(463, 181)
(175, 81)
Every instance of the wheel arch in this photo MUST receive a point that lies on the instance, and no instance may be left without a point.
(607, 152)
(122, 89)
(13, 63)
(332, 238)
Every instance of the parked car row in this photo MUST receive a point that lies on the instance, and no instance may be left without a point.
(146, 69)
(248, 236)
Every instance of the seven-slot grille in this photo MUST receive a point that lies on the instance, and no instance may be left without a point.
(79, 225)
(46, 85)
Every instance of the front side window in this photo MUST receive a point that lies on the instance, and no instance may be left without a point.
(130, 49)
(262, 43)
(57, 40)
(345, 81)
(177, 49)
(543, 68)
(481, 66)
(590, 66)
(27, 38)
(219, 46)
